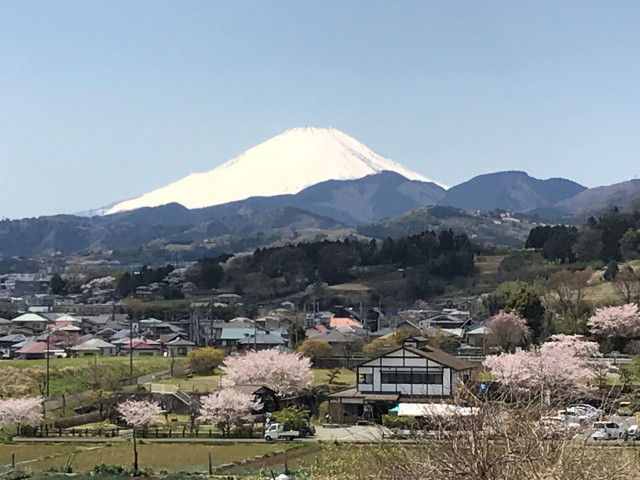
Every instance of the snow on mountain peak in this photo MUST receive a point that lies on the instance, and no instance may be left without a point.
(286, 163)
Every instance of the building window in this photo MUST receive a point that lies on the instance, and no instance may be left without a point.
(366, 378)
(432, 377)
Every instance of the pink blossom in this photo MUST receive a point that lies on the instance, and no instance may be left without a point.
(566, 363)
(21, 411)
(616, 321)
(286, 373)
(227, 407)
(139, 413)
(508, 329)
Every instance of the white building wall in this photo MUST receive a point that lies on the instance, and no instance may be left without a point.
(395, 361)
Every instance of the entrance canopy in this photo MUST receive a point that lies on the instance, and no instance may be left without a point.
(434, 410)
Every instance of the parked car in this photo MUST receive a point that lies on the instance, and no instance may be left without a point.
(632, 434)
(307, 430)
(607, 431)
(558, 427)
(583, 412)
(276, 431)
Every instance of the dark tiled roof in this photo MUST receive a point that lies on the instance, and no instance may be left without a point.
(354, 393)
(441, 357)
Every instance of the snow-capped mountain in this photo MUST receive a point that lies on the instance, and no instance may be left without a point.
(285, 164)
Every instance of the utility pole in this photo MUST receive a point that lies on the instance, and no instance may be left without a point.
(255, 335)
(130, 347)
(48, 354)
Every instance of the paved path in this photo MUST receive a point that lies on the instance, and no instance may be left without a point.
(364, 434)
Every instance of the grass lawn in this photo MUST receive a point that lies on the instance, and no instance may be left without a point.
(208, 383)
(199, 383)
(68, 375)
(173, 457)
(346, 377)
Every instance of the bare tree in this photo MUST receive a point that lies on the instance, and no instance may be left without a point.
(503, 438)
(626, 285)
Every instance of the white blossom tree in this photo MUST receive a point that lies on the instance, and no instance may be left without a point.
(285, 373)
(611, 322)
(563, 366)
(25, 411)
(227, 408)
(138, 414)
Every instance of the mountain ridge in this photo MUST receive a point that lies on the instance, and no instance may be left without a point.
(511, 190)
(285, 164)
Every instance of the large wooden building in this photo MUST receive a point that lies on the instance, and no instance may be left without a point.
(414, 372)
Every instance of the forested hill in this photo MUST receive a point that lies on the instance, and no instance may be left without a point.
(613, 236)
(426, 261)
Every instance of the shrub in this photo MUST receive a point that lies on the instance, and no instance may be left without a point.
(290, 417)
(205, 360)
(394, 421)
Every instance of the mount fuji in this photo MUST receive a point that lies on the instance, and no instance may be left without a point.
(286, 164)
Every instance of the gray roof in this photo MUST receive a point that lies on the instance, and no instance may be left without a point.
(263, 338)
(335, 336)
(93, 345)
(30, 317)
(13, 338)
(182, 342)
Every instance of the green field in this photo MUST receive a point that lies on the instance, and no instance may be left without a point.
(68, 375)
(172, 457)
(199, 383)
(346, 377)
(208, 383)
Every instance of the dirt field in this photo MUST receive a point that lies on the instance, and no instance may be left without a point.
(170, 457)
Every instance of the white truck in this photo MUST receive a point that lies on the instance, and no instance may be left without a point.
(276, 431)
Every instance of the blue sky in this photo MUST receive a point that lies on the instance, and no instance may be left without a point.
(103, 101)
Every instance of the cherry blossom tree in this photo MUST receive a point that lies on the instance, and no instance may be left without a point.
(227, 408)
(285, 373)
(138, 414)
(507, 330)
(616, 322)
(563, 366)
(26, 411)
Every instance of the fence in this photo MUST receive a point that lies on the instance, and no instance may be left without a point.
(51, 431)
(185, 431)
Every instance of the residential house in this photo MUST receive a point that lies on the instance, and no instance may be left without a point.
(38, 350)
(342, 344)
(229, 298)
(336, 322)
(230, 336)
(267, 397)
(262, 341)
(476, 336)
(5, 325)
(444, 321)
(142, 347)
(8, 342)
(34, 322)
(105, 334)
(413, 372)
(94, 346)
(179, 347)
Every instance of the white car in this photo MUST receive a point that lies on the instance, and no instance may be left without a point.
(276, 431)
(558, 427)
(582, 412)
(607, 431)
(632, 434)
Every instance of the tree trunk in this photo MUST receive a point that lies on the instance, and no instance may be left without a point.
(135, 451)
